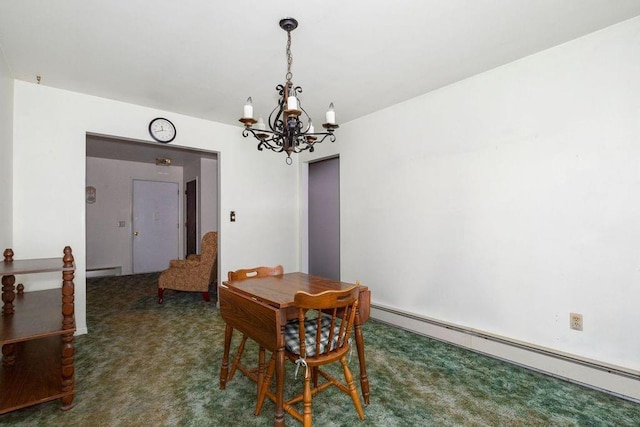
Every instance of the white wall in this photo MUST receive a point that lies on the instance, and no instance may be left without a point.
(49, 180)
(6, 154)
(208, 209)
(506, 201)
(109, 245)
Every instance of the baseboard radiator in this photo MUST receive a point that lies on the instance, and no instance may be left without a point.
(103, 271)
(611, 379)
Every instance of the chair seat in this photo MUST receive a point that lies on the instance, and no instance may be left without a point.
(292, 337)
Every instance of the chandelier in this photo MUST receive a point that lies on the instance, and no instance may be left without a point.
(289, 127)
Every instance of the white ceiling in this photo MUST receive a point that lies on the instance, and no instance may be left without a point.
(203, 58)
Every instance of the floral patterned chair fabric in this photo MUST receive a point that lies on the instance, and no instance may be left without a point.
(193, 274)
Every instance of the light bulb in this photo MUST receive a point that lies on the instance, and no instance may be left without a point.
(292, 102)
(331, 115)
(248, 109)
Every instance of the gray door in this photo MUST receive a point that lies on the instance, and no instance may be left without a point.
(324, 218)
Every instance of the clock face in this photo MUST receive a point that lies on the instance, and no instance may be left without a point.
(162, 130)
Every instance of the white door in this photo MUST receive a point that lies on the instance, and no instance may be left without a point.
(155, 225)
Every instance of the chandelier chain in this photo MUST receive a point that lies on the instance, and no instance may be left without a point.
(289, 58)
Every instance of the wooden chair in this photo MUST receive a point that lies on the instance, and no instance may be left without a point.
(193, 274)
(253, 373)
(320, 336)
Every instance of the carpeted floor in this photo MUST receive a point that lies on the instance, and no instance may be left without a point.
(144, 364)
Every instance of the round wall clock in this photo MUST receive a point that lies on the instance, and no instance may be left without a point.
(162, 130)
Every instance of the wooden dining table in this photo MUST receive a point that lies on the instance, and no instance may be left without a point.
(260, 307)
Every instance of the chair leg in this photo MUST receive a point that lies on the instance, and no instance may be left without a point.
(206, 297)
(160, 293)
(306, 401)
(352, 388)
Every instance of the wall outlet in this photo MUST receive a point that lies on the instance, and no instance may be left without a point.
(575, 321)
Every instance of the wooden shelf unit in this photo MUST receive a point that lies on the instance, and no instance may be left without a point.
(36, 334)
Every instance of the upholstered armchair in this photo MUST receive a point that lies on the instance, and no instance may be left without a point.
(193, 274)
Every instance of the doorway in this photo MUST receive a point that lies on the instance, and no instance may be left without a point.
(324, 218)
(191, 222)
(155, 225)
(112, 163)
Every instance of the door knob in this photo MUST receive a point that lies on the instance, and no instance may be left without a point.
(135, 233)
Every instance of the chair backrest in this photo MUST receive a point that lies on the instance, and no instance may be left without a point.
(209, 255)
(209, 247)
(248, 273)
(332, 319)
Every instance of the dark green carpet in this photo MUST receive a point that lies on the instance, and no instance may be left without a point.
(144, 364)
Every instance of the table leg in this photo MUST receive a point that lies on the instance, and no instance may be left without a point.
(261, 366)
(279, 418)
(364, 379)
(224, 369)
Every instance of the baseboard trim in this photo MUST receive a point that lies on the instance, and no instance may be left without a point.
(619, 381)
(103, 271)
